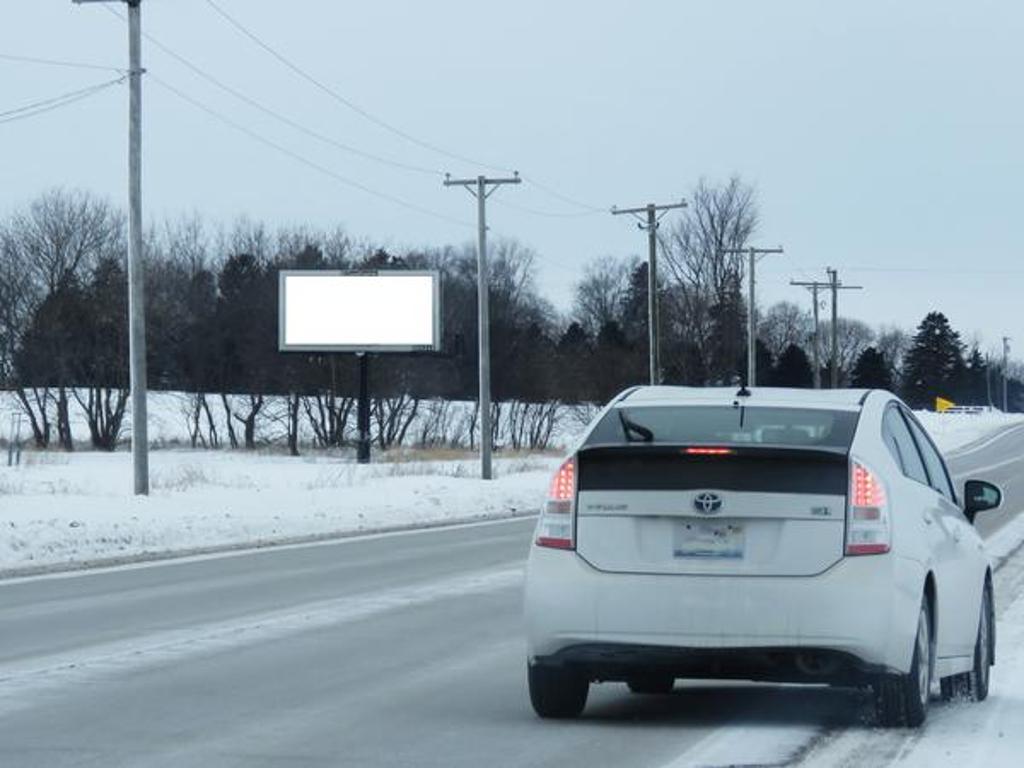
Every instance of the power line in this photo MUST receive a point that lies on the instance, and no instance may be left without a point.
(56, 102)
(305, 160)
(934, 270)
(380, 122)
(262, 107)
(563, 197)
(348, 103)
(277, 115)
(58, 63)
(546, 214)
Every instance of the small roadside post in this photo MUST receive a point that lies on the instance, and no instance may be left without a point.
(14, 441)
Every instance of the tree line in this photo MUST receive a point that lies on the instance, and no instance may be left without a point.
(211, 314)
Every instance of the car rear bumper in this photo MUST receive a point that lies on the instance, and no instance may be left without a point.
(602, 662)
(863, 610)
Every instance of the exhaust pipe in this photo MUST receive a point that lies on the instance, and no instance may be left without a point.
(816, 665)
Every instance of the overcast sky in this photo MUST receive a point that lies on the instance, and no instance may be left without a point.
(883, 137)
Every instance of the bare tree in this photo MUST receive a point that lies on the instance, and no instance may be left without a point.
(893, 342)
(599, 295)
(783, 324)
(54, 245)
(704, 284)
(853, 337)
(62, 233)
(393, 416)
(17, 297)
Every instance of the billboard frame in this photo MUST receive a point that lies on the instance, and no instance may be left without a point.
(436, 347)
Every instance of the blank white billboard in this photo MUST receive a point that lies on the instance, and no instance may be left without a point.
(383, 311)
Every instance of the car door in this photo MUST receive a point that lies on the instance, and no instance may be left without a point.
(965, 563)
(924, 534)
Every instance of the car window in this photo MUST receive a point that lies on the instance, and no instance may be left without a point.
(728, 425)
(890, 443)
(901, 443)
(936, 468)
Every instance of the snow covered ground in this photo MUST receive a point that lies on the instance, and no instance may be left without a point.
(59, 509)
(954, 431)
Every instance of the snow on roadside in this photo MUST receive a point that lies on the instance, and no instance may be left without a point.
(59, 509)
(955, 431)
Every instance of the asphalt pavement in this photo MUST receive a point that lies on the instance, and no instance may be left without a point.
(398, 650)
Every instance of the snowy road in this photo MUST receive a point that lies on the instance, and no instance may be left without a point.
(401, 650)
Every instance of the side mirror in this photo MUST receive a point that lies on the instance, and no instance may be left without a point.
(979, 496)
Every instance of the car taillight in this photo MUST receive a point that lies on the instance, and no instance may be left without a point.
(707, 451)
(555, 528)
(867, 521)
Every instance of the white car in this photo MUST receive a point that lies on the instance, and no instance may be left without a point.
(765, 534)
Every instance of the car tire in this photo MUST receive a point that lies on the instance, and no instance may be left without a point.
(902, 700)
(557, 692)
(652, 684)
(984, 647)
(973, 685)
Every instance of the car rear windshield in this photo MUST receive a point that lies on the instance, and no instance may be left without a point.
(727, 426)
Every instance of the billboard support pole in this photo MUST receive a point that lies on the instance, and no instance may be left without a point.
(363, 415)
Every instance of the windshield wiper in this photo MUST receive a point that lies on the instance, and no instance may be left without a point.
(632, 428)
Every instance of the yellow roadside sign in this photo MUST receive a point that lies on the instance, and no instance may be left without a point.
(942, 404)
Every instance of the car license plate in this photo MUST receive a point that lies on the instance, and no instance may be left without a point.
(697, 538)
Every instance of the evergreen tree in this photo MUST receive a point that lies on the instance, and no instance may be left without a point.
(975, 390)
(793, 369)
(764, 361)
(934, 365)
(871, 371)
(574, 354)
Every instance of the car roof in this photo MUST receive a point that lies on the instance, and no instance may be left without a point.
(837, 399)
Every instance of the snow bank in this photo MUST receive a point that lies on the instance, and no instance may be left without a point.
(955, 431)
(60, 509)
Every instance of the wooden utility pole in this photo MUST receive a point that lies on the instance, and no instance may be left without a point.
(752, 254)
(478, 187)
(650, 215)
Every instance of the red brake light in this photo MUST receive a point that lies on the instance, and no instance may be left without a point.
(563, 484)
(867, 520)
(708, 451)
(556, 526)
(867, 489)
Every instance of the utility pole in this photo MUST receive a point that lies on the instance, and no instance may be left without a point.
(752, 253)
(836, 286)
(652, 215)
(478, 187)
(136, 282)
(1006, 363)
(988, 379)
(814, 287)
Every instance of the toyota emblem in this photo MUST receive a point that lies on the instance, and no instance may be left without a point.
(707, 502)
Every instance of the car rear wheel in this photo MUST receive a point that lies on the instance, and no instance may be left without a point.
(974, 684)
(902, 700)
(557, 693)
(652, 684)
